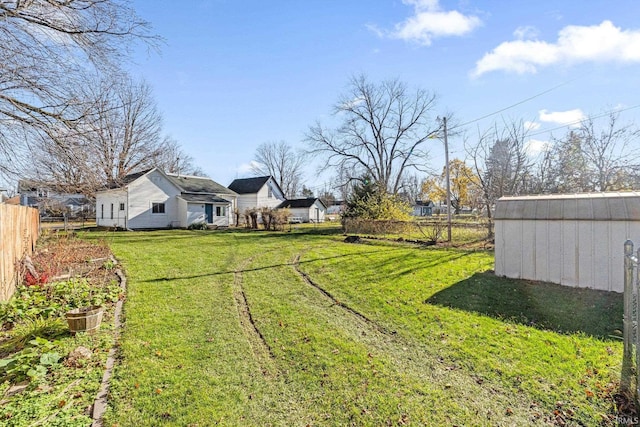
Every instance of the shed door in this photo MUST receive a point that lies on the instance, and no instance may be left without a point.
(208, 210)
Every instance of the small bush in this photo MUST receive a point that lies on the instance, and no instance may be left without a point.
(199, 225)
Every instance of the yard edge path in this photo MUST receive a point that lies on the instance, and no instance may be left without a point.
(101, 401)
(260, 347)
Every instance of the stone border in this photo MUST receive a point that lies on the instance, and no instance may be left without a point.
(100, 403)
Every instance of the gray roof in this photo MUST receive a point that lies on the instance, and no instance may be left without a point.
(248, 185)
(202, 198)
(610, 206)
(300, 203)
(197, 184)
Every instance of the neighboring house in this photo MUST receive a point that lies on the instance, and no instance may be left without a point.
(51, 202)
(154, 199)
(305, 210)
(15, 200)
(422, 208)
(336, 208)
(258, 192)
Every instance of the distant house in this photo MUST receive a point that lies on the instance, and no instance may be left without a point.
(258, 192)
(305, 210)
(52, 202)
(337, 207)
(154, 199)
(422, 208)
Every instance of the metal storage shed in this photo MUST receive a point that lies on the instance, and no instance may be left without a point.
(570, 239)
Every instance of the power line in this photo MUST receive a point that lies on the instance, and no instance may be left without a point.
(576, 122)
(514, 105)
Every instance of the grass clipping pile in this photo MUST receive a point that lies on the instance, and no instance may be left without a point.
(49, 376)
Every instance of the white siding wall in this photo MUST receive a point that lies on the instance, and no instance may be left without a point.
(263, 199)
(148, 189)
(247, 201)
(195, 213)
(183, 213)
(105, 202)
(309, 214)
(574, 240)
(222, 220)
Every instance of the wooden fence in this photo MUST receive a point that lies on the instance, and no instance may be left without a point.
(19, 229)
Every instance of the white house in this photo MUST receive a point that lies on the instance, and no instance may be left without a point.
(307, 210)
(154, 199)
(258, 192)
(422, 208)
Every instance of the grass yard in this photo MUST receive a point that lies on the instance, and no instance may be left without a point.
(299, 328)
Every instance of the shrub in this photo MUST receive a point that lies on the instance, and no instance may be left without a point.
(371, 202)
(199, 225)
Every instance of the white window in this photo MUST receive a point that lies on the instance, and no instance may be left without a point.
(270, 191)
(111, 210)
(157, 208)
(101, 211)
(220, 211)
(121, 206)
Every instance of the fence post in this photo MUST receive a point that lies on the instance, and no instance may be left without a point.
(635, 274)
(627, 360)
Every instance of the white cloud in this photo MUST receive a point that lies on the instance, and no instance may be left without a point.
(531, 125)
(525, 33)
(247, 167)
(536, 146)
(571, 117)
(429, 21)
(575, 44)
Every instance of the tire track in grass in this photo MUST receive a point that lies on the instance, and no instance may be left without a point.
(491, 402)
(259, 345)
(307, 279)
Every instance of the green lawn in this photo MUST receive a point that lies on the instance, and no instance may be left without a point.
(299, 328)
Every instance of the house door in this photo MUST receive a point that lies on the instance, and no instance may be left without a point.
(208, 210)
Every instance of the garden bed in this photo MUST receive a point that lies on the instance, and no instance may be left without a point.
(48, 376)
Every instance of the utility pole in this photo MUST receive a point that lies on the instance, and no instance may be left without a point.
(446, 168)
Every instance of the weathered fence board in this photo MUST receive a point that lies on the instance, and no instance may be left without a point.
(19, 230)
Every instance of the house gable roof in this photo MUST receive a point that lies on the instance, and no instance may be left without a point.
(198, 184)
(300, 203)
(202, 198)
(185, 183)
(248, 185)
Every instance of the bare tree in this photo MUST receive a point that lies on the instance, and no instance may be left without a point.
(172, 158)
(500, 164)
(590, 159)
(384, 127)
(46, 45)
(283, 163)
(125, 128)
(610, 155)
(119, 135)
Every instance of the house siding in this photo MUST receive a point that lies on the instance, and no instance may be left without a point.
(247, 201)
(148, 189)
(309, 214)
(104, 201)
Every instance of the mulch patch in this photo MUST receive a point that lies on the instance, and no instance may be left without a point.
(66, 256)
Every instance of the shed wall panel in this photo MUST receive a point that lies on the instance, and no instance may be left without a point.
(555, 252)
(528, 262)
(586, 253)
(542, 255)
(569, 256)
(573, 240)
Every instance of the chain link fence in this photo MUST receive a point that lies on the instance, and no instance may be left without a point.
(630, 381)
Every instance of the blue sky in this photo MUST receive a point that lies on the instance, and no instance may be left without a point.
(233, 74)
